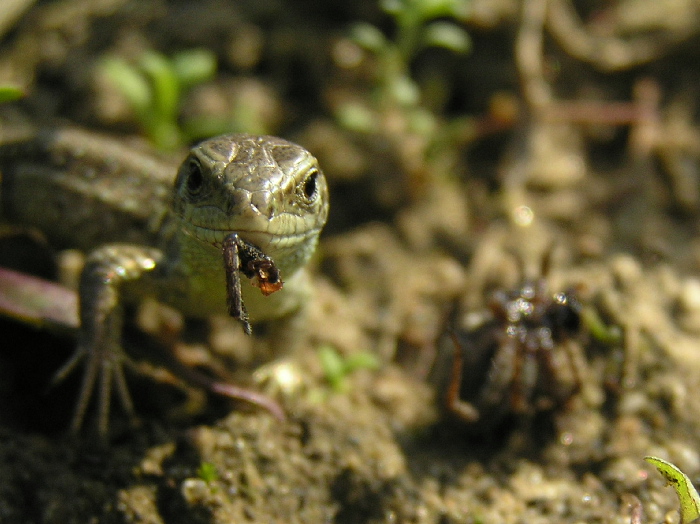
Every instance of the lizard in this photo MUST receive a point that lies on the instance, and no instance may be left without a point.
(147, 236)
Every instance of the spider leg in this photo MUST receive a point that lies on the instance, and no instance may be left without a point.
(455, 404)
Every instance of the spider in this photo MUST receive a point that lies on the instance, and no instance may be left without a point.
(521, 361)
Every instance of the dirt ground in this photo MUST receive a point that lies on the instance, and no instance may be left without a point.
(561, 146)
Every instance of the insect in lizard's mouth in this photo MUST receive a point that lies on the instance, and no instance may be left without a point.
(241, 257)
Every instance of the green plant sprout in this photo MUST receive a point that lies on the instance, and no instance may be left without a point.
(337, 368)
(10, 93)
(155, 86)
(416, 29)
(610, 335)
(401, 108)
(207, 472)
(687, 494)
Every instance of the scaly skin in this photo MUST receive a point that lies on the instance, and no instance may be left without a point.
(79, 188)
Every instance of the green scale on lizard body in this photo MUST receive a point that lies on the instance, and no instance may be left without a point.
(145, 238)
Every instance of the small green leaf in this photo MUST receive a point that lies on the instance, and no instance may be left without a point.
(438, 8)
(361, 360)
(10, 93)
(194, 66)
(448, 36)
(207, 472)
(368, 37)
(166, 89)
(129, 81)
(422, 122)
(164, 133)
(687, 494)
(336, 368)
(356, 117)
(404, 90)
(392, 7)
(333, 367)
(599, 330)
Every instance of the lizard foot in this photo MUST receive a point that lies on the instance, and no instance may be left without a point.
(106, 271)
(108, 370)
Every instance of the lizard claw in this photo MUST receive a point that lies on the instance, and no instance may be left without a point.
(106, 367)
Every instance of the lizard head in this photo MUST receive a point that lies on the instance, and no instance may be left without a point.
(269, 191)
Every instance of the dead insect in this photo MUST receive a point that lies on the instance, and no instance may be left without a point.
(522, 360)
(266, 275)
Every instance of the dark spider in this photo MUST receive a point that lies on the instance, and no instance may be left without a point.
(520, 361)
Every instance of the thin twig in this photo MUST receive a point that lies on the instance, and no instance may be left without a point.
(606, 53)
(529, 52)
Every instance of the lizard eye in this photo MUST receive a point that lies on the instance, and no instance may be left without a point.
(310, 187)
(194, 180)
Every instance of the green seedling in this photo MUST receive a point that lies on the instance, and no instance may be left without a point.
(207, 472)
(154, 87)
(609, 335)
(401, 107)
(687, 494)
(416, 29)
(10, 93)
(337, 368)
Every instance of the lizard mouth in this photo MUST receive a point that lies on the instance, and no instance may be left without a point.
(273, 244)
(287, 251)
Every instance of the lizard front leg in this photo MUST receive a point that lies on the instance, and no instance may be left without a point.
(107, 270)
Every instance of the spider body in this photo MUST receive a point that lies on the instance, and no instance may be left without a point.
(523, 359)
